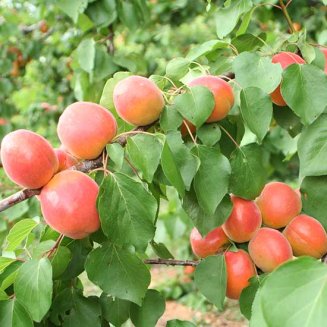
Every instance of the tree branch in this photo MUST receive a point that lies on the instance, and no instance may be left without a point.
(172, 262)
(287, 16)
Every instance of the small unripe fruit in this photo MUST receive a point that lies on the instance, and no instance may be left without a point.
(285, 59)
(138, 100)
(244, 220)
(307, 236)
(68, 204)
(269, 248)
(65, 159)
(278, 204)
(84, 128)
(222, 92)
(208, 245)
(28, 158)
(240, 269)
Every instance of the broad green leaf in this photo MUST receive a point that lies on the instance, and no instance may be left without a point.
(211, 279)
(86, 55)
(60, 261)
(8, 275)
(103, 64)
(304, 90)
(33, 287)
(196, 106)
(102, 12)
(170, 119)
(245, 22)
(319, 59)
(14, 314)
(177, 68)
(312, 148)
(205, 48)
(314, 190)
(118, 272)
(161, 250)
(249, 173)
(287, 119)
(5, 262)
(116, 154)
(248, 42)
(257, 318)
(152, 308)
(127, 210)
(115, 311)
(212, 179)
(256, 109)
(72, 8)
(3, 295)
(201, 220)
(179, 323)
(144, 152)
(253, 70)
(209, 134)
(227, 17)
(295, 294)
(18, 233)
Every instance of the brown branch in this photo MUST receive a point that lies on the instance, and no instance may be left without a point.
(110, 38)
(17, 198)
(287, 16)
(172, 262)
(55, 246)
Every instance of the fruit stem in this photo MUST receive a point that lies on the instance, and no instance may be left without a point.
(172, 262)
(55, 246)
(287, 16)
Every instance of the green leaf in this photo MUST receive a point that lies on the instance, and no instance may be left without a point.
(102, 12)
(195, 106)
(212, 179)
(3, 295)
(205, 48)
(212, 271)
(60, 261)
(72, 8)
(5, 262)
(14, 314)
(253, 70)
(304, 90)
(227, 17)
(118, 272)
(152, 308)
(103, 64)
(202, 221)
(287, 119)
(161, 250)
(133, 208)
(170, 119)
(314, 190)
(257, 318)
(209, 134)
(312, 148)
(179, 323)
(245, 22)
(18, 233)
(115, 311)
(295, 294)
(86, 55)
(33, 287)
(144, 152)
(116, 154)
(248, 42)
(177, 68)
(249, 173)
(256, 109)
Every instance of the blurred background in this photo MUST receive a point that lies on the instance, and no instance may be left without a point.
(53, 53)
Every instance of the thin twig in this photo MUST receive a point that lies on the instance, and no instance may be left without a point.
(287, 16)
(55, 246)
(171, 262)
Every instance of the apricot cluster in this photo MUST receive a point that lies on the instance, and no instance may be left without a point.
(273, 230)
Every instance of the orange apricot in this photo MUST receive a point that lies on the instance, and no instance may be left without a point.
(65, 159)
(28, 158)
(68, 204)
(324, 51)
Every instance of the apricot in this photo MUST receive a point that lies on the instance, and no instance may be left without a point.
(28, 158)
(285, 59)
(269, 248)
(65, 159)
(324, 51)
(278, 204)
(208, 245)
(184, 130)
(84, 128)
(244, 220)
(138, 100)
(240, 269)
(222, 92)
(307, 236)
(68, 204)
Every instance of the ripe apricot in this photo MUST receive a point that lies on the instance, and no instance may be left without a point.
(240, 269)
(244, 220)
(184, 130)
(68, 204)
(208, 245)
(138, 100)
(285, 59)
(324, 51)
(307, 236)
(28, 158)
(65, 159)
(222, 92)
(278, 204)
(269, 248)
(84, 128)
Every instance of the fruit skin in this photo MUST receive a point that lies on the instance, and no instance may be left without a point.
(324, 51)
(307, 236)
(138, 100)
(240, 269)
(269, 248)
(68, 204)
(222, 92)
(244, 220)
(28, 158)
(208, 245)
(278, 204)
(65, 159)
(184, 130)
(84, 128)
(285, 59)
